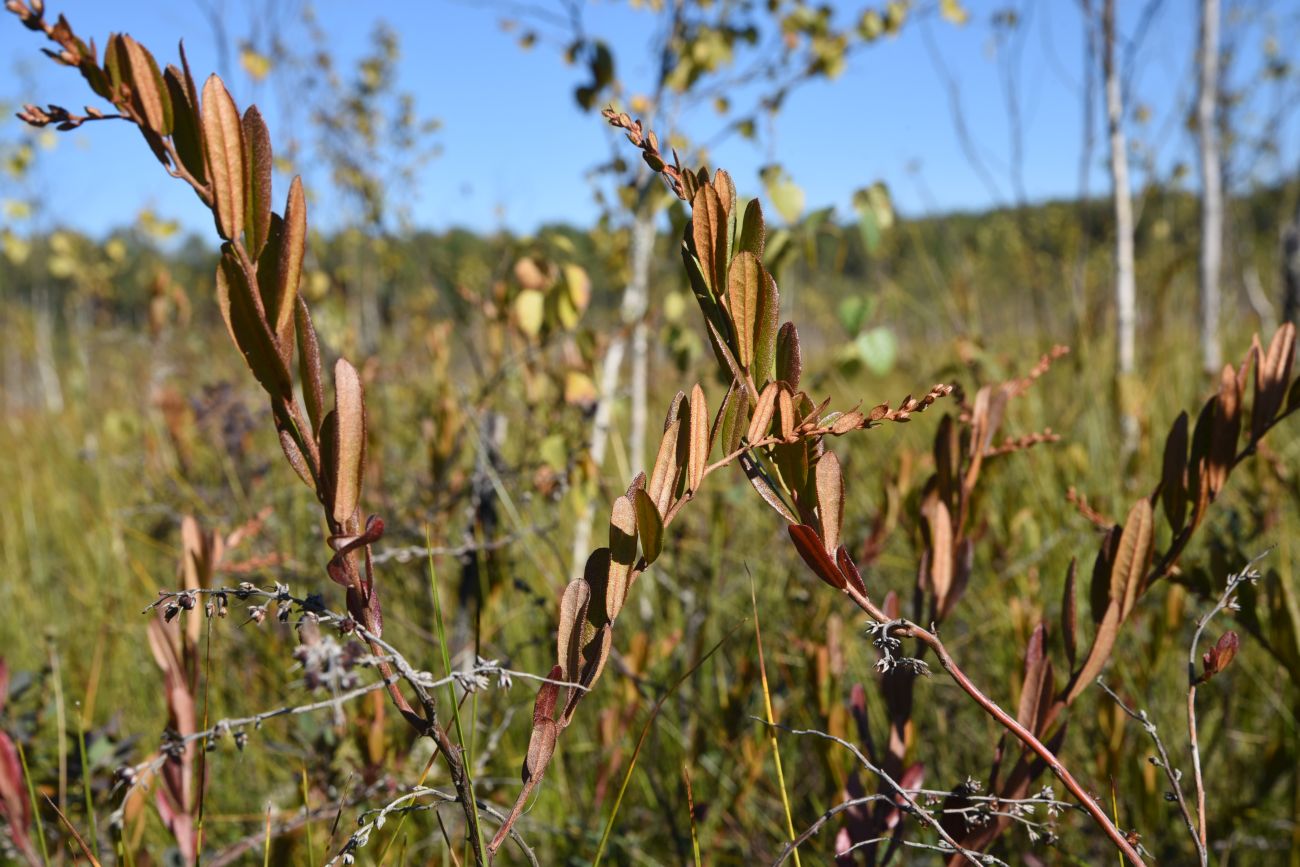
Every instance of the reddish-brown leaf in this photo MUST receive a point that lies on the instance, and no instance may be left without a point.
(813, 552)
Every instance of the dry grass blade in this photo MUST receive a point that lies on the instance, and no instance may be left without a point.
(640, 743)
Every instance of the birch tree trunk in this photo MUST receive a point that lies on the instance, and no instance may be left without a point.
(636, 301)
(1211, 186)
(1125, 289)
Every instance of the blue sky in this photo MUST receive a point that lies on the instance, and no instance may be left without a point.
(516, 149)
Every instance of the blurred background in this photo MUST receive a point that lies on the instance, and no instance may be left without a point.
(952, 189)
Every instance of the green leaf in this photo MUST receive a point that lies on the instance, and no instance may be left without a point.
(878, 349)
(787, 197)
(875, 214)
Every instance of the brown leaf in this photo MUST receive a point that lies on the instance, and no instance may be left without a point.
(293, 247)
(726, 190)
(743, 283)
(186, 127)
(1133, 557)
(766, 329)
(941, 551)
(596, 574)
(728, 424)
(1102, 644)
(813, 552)
(663, 476)
(700, 439)
(313, 391)
(830, 499)
(247, 328)
(709, 232)
(847, 421)
(257, 188)
(568, 638)
(1037, 666)
(752, 232)
(350, 410)
(761, 420)
(223, 136)
(541, 742)
(789, 360)
(1225, 432)
(785, 413)
(1220, 656)
(622, 554)
(594, 656)
(151, 97)
(849, 570)
(295, 458)
(1070, 615)
(649, 526)
(1173, 480)
(1272, 372)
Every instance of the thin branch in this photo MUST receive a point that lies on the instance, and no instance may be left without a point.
(1171, 773)
(909, 801)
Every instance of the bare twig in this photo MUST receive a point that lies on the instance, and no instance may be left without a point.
(1171, 773)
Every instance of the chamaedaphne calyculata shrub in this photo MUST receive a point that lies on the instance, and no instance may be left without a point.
(778, 436)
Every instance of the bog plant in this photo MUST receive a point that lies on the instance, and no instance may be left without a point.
(775, 432)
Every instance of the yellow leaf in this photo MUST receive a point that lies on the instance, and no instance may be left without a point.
(257, 65)
(530, 309)
(954, 12)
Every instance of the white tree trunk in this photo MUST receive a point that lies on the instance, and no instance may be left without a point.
(1125, 290)
(1211, 186)
(636, 300)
